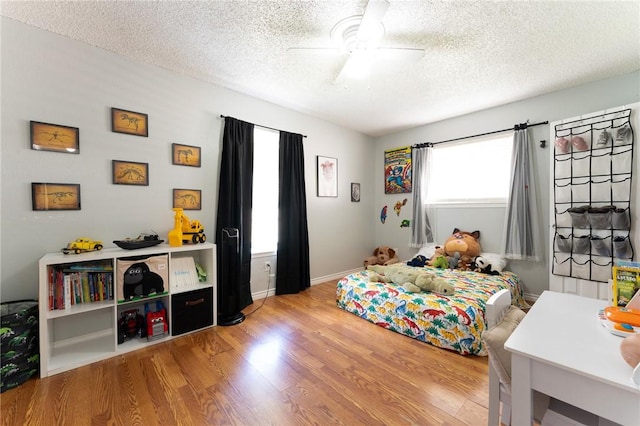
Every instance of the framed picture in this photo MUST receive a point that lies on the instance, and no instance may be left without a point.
(327, 172)
(130, 173)
(54, 137)
(129, 122)
(188, 199)
(185, 155)
(55, 196)
(397, 171)
(355, 192)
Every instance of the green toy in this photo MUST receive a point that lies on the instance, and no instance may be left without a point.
(440, 262)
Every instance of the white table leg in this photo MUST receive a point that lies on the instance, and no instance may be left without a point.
(521, 394)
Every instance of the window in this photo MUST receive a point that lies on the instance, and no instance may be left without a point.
(473, 171)
(264, 222)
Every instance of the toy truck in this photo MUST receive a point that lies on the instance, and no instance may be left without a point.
(185, 230)
(81, 245)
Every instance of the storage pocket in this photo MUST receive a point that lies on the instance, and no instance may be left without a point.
(581, 267)
(579, 217)
(601, 271)
(563, 243)
(581, 244)
(622, 248)
(561, 264)
(600, 246)
(620, 219)
(139, 277)
(600, 218)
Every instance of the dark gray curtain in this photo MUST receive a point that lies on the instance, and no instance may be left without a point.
(234, 211)
(522, 228)
(421, 232)
(292, 272)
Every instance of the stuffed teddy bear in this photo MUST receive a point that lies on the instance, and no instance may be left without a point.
(412, 280)
(382, 255)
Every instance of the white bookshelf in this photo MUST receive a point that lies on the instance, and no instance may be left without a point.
(88, 332)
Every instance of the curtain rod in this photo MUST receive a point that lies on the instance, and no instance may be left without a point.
(264, 127)
(520, 126)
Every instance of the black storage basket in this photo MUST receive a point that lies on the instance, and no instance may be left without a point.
(20, 343)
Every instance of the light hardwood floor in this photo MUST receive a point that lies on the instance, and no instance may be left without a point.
(297, 360)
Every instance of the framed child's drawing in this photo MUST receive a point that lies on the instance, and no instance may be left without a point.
(327, 176)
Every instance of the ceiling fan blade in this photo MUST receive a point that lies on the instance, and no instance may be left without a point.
(399, 54)
(328, 51)
(371, 20)
(356, 67)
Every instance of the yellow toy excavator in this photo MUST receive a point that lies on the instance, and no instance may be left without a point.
(185, 230)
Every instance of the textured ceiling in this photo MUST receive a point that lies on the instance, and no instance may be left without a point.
(478, 54)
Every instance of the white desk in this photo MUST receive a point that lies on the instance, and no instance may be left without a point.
(561, 349)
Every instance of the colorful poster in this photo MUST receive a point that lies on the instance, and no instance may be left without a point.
(397, 171)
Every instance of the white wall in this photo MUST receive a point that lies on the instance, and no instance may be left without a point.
(554, 106)
(49, 78)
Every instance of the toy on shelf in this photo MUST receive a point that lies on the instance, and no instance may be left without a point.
(185, 230)
(131, 324)
(81, 245)
(156, 321)
(143, 240)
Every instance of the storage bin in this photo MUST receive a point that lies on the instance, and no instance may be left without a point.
(19, 345)
(191, 311)
(138, 277)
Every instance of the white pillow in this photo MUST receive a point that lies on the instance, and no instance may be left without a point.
(497, 262)
(429, 250)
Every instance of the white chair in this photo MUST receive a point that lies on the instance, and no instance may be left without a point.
(502, 319)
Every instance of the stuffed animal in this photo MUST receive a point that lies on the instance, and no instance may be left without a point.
(382, 255)
(463, 242)
(481, 264)
(454, 260)
(418, 261)
(436, 258)
(412, 280)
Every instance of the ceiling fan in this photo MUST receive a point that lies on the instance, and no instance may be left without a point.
(357, 38)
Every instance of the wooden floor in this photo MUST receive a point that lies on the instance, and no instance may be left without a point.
(297, 360)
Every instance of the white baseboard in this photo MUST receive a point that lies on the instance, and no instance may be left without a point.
(319, 280)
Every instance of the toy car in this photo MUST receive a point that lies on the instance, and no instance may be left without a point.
(81, 245)
(131, 324)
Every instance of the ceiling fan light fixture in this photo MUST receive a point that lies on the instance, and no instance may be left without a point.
(358, 66)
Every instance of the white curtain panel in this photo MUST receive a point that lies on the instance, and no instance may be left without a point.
(522, 228)
(421, 232)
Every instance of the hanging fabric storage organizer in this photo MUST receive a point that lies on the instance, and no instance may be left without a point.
(593, 160)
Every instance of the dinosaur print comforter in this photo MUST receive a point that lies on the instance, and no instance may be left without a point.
(452, 322)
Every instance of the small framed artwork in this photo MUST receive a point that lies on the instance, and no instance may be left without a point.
(55, 137)
(327, 175)
(130, 173)
(185, 155)
(129, 122)
(55, 196)
(355, 192)
(187, 199)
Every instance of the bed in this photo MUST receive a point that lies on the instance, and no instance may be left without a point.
(452, 322)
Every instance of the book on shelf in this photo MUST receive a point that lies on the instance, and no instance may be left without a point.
(626, 283)
(68, 287)
(183, 270)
